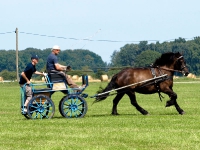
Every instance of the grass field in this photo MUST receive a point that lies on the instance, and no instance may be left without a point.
(163, 129)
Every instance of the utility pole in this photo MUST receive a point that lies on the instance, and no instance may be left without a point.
(17, 70)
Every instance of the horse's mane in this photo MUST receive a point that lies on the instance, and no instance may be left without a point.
(165, 59)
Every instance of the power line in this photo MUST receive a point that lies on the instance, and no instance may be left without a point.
(7, 32)
(84, 39)
(89, 39)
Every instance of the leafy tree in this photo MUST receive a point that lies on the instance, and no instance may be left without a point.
(146, 58)
(126, 55)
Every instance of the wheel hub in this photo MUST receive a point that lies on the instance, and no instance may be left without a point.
(41, 109)
(73, 107)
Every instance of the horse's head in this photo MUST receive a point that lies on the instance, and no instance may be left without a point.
(180, 64)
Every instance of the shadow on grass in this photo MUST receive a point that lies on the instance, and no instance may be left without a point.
(110, 115)
(160, 114)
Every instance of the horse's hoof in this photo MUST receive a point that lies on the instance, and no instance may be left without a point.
(145, 113)
(114, 114)
(182, 113)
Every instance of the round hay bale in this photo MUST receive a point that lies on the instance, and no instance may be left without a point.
(189, 75)
(69, 76)
(75, 77)
(80, 79)
(90, 78)
(193, 76)
(104, 77)
(1, 78)
(43, 79)
(175, 77)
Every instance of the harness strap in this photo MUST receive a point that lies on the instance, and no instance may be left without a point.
(156, 82)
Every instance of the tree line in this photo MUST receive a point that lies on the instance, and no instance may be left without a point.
(84, 61)
(144, 54)
(78, 59)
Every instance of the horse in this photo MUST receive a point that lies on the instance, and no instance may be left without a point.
(167, 64)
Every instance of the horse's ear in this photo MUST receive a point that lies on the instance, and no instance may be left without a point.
(181, 53)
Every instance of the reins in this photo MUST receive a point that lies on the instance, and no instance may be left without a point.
(168, 69)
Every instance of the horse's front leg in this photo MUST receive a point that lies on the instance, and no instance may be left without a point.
(172, 101)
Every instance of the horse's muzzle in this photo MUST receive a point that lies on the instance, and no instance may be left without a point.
(185, 73)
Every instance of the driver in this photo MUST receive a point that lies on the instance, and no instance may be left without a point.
(54, 67)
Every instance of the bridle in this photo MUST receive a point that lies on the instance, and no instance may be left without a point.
(168, 69)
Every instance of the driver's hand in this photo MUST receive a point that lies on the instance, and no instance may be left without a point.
(68, 67)
(45, 74)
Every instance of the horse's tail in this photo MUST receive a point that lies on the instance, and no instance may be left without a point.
(111, 85)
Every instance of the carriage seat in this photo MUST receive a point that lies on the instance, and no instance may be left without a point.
(58, 80)
(56, 77)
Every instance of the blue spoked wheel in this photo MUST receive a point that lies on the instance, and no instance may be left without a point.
(73, 106)
(40, 107)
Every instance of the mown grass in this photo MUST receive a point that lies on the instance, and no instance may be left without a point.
(163, 129)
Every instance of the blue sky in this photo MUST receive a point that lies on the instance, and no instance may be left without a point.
(125, 21)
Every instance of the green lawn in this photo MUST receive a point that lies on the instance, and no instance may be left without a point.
(163, 129)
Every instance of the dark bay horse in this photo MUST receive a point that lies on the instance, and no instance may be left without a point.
(167, 64)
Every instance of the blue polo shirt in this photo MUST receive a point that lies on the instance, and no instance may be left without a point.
(51, 61)
(28, 71)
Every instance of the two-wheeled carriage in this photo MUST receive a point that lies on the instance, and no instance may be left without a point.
(72, 105)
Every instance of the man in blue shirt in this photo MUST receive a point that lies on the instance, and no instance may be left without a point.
(54, 67)
(26, 77)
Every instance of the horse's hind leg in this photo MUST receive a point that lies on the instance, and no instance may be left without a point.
(115, 103)
(172, 101)
(134, 103)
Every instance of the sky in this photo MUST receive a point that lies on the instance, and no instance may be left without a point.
(101, 26)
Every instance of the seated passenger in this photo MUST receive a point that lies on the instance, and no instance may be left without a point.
(54, 67)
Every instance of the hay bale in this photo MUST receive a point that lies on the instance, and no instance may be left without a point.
(80, 79)
(90, 78)
(43, 79)
(190, 75)
(75, 77)
(1, 79)
(175, 77)
(69, 76)
(193, 76)
(104, 77)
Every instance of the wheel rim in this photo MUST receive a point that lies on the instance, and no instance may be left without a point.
(41, 107)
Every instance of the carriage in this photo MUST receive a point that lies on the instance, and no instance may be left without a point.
(41, 106)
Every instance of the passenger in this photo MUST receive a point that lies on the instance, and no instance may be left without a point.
(54, 67)
(26, 77)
